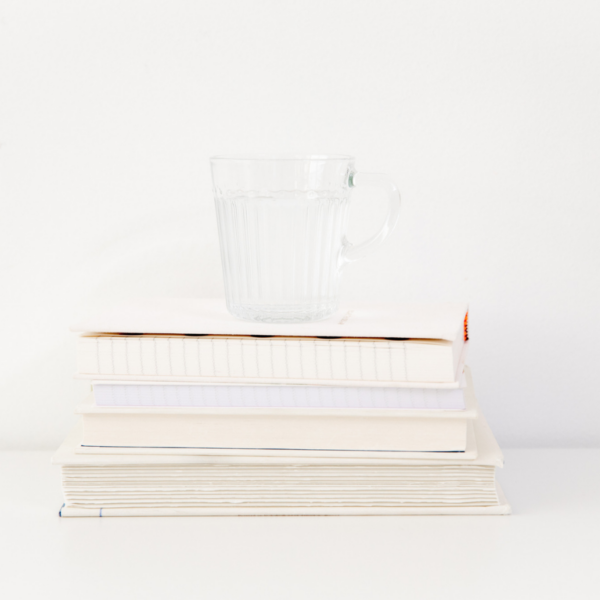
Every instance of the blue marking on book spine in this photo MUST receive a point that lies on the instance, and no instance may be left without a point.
(100, 512)
(60, 511)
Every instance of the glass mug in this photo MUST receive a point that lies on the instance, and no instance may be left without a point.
(282, 223)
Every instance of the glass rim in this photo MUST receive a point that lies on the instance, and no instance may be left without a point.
(279, 157)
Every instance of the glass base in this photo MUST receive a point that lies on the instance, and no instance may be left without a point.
(283, 313)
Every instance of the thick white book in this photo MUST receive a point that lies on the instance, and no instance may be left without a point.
(372, 429)
(197, 340)
(136, 393)
(500, 508)
(169, 485)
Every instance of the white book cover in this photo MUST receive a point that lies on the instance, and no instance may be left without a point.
(202, 316)
(287, 429)
(470, 451)
(488, 453)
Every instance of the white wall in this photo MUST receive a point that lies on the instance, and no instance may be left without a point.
(486, 114)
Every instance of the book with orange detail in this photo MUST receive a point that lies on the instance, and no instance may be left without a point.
(395, 345)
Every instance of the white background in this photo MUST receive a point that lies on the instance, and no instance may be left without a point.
(485, 113)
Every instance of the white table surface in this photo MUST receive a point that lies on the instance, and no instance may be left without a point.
(548, 548)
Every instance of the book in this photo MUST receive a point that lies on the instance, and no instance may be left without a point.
(197, 340)
(443, 321)
(163, 485)
(390, 430)
(501, 508)
(136, 393)
(292, 429)
(469, 452)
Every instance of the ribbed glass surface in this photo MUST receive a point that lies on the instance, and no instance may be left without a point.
(281, 254)
(281, 227)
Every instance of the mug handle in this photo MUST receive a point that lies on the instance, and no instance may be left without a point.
(352, 252)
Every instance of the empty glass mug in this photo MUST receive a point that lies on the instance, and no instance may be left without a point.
(282, 223)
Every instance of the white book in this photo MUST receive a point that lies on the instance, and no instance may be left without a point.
(499, 508)
(290, 429)
(444, 321)
(469, 452)
(136, 393)
(196, 340)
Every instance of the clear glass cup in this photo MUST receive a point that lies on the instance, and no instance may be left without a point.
(282, 223)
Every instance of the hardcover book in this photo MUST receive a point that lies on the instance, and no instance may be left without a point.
(375, 345)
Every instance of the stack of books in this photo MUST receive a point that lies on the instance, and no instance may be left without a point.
(193, 412)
